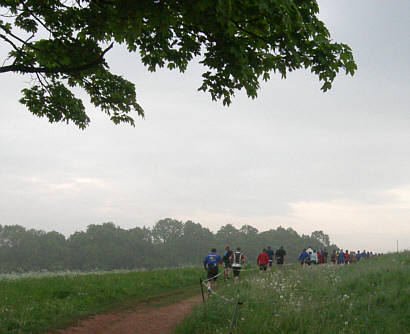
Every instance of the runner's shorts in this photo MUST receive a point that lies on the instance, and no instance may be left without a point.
(212, 271)
(262, 267)
(280, 260)
(236, 271)
(270, 263)
(228, 265)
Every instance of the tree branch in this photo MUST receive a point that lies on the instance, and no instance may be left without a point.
(42, 84)
(14, 47)
(10, 42)
(60, 69)
(24, 42)
(249, 32)
(38, 20)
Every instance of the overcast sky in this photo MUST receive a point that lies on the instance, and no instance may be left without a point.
(336, 161)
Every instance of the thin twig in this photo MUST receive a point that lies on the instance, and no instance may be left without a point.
(10, 42)
(249, 32)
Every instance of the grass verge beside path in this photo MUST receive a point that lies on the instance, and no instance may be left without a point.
(37, 304)
(372, 296)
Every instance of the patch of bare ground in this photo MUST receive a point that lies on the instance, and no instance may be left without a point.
(147, 318)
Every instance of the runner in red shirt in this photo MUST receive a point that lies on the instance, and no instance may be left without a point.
(262, 260)
(319, 257)
(347, 257)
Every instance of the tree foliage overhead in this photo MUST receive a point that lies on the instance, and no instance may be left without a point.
(63, 44)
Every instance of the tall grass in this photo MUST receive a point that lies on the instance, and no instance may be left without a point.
(38, 303)
(372, 296)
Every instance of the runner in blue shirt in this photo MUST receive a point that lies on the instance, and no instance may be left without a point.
(270, 253)
(304, 257)
(210, 263)
(341, 257)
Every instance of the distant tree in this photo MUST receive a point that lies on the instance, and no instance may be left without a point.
(22, 249)
(140, 251)
(228, 235)
(321, 237)
(248, 230)
(53, 253)
(13, 235)
(63, 44)
(195, 243)
(83, 251)
(166, 230)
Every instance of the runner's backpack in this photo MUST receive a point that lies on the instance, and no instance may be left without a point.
(237, 256)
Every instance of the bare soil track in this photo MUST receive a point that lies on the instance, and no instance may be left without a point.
(144, 318)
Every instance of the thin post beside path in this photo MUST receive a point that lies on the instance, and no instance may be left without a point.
(234, 314)
(202, 290)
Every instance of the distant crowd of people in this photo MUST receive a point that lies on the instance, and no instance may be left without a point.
(234, 260)
(310, 256)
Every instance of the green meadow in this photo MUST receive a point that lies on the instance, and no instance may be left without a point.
(372, 296)
(36, 303)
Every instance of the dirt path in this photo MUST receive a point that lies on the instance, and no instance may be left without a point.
(144, 318)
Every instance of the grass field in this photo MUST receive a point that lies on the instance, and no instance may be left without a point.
(37, 303)
(372, 296)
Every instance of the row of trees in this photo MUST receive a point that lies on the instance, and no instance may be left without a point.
(168, 243)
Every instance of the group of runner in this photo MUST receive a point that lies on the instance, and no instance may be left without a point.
(346, 257)
(234, 260)
(266, 257)
(310, 256)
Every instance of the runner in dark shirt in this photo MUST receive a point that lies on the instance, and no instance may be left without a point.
(324, 255)
(227, 262)
(280, 255)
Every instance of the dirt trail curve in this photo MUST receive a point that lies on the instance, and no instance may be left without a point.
(145, 319)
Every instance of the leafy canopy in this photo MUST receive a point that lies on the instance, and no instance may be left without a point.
(62, 44)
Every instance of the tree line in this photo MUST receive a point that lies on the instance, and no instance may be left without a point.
(168, 243)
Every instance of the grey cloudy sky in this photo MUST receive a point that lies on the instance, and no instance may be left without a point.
(337, 162)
